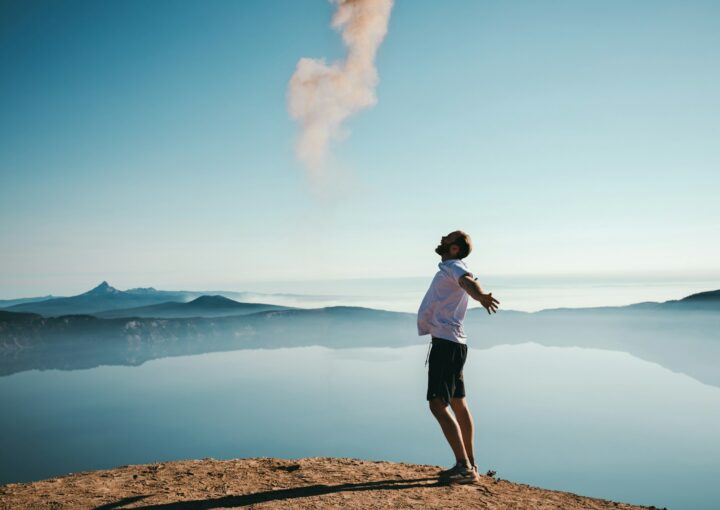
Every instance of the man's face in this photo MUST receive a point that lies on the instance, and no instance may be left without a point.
(446, 245)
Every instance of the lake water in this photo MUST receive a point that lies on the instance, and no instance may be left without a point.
(595, 422)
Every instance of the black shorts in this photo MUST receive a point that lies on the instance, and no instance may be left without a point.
(445, 370)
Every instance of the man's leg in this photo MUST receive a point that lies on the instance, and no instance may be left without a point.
(450, 428)
(467, 426)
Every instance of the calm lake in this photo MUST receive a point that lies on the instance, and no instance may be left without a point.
(595, 422)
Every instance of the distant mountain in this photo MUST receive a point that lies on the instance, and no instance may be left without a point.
(103, 289)
(143, 290)
(104, 298)
(101, 298)
(702, 301)
(204, 306)
(4, 303)
(709, 300)
(15, 318)
(711, 295)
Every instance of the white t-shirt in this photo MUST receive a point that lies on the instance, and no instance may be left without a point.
(443, 308)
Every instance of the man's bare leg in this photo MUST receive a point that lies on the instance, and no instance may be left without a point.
(467, 426)
(450, 428)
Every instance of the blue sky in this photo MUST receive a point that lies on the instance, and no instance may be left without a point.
(148, 143)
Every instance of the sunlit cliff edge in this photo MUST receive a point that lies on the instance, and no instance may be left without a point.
(313, 482)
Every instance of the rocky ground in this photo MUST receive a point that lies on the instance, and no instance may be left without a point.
(314, 482)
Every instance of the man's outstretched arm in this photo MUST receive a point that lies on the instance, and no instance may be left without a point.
(472, 287)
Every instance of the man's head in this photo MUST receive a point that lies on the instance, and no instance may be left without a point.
(455, 245)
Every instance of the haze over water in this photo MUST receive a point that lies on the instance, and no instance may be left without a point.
(524, 293)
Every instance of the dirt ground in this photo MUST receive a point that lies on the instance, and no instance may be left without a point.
(314, 482)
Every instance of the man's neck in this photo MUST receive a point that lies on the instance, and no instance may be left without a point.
(445, 258)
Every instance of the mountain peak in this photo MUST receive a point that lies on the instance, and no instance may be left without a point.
(212, 301)
(142, 290)
(103, 288)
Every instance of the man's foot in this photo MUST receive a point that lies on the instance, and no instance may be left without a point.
(465, 474)
(455, 469)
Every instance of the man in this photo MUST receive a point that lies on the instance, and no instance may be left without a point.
(441, 315)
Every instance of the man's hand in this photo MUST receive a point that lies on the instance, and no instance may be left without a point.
(489, 302)
(472, 287)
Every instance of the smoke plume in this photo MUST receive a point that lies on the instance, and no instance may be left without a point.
(321, 96)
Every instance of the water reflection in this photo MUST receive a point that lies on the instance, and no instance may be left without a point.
(596, 422)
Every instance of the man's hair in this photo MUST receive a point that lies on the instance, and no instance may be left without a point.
(464, 243)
